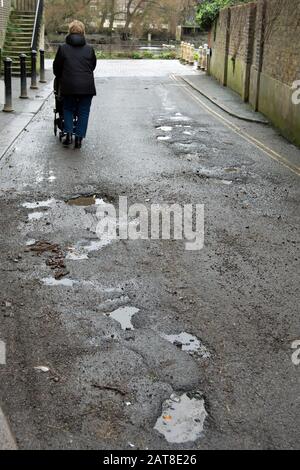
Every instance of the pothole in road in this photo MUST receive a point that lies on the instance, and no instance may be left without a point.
(81, 250)
(188, 343)
(180, 117)
(50, 281)
(165, 128)
(124, 316)
(182, 418)
(85, 201)
(38, 204)
(38, 214)
(30, 242)
(35, 215)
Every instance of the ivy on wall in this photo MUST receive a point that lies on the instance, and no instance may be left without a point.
(208, 10)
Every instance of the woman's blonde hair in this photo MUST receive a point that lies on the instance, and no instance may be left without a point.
(76, 27)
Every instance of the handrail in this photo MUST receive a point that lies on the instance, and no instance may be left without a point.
(37, 24)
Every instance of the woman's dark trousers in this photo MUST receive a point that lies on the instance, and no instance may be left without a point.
(77, 106)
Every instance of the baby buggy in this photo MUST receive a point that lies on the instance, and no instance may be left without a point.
(59, 112)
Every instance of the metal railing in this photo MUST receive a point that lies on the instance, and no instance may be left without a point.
(25, 5)
(37, 23)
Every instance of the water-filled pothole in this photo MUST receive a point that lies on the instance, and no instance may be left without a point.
(38, 204)
(85, 201)
(182, 418)
(165, 128)
(50, 281)
(35, 215)
(124, 316)
(188, 343)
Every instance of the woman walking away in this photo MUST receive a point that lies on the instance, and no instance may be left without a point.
(73, 66)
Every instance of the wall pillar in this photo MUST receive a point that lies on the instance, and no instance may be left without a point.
(259, 51)
(249, 44)
(227, 18)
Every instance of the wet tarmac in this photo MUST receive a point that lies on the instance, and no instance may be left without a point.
(148, 345)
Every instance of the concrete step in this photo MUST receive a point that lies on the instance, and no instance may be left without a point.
(18, 34)
(23, 21)
(12, 45)
(15, 16)
(17, 47)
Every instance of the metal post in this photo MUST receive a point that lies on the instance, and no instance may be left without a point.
(33, 71)
(23, 94)
(42, 66)
(7, 82)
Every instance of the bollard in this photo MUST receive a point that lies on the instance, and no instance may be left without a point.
(184, 52)
(192, 55)
(42, 67)
(23, 76)
(7, 83)
(205, 57)
(33, 85)
(200, 58)
(188, 49)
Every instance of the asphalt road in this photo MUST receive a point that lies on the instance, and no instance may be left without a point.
(104, 387)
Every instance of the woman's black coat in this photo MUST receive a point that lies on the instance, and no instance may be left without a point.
(74, 65)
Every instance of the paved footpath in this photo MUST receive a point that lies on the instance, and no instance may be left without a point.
(12, 124)
(110, 353)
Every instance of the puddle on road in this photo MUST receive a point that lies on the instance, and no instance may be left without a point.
(36, 215)
(163, 138)
(30, 242)
(188, 343)
(182, 418)
(180, 117)
(231, 170)
(38, 204)
(96, 245)
(50, 281)
(165, 128)
(81, 250)
(85, 201)
(76, 255)
(124, 316)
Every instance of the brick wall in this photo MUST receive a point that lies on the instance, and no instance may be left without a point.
(4, 15)
(219, 42)
(258, 56)
(281, 59)
(238, 33)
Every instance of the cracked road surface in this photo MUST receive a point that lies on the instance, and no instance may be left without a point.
(210, 331)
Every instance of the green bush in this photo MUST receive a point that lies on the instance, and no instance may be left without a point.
(170, 55)
(137, 55)
(208, 10)
(148, 55)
